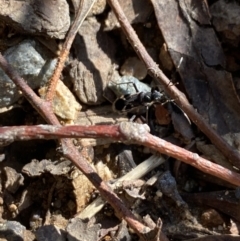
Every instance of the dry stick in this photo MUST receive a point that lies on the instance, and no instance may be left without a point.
(136, 173)
(126, 132)
(64, 54)
(70, 152)
(174, 93)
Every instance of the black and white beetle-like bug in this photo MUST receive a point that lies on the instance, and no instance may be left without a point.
(145, 103)
(139, 102)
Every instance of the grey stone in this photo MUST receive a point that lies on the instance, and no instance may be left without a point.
(31, 64)
(12, 231)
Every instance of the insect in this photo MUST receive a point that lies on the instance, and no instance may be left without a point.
(140, 103)
(146, 103)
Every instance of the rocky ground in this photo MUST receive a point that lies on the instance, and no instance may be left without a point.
(44, 196)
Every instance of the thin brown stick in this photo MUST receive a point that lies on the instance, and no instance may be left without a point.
(69, 151)
(130, 132)
(64, 54)
(171, 90)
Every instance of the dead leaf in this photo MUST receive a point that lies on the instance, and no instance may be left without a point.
(188, 35)
(79, 230)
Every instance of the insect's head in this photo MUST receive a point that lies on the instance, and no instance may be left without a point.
(157, 96)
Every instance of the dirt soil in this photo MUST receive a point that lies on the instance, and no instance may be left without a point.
(44, 196)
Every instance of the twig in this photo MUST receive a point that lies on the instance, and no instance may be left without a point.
(126, 132)
(136, 173)
(69, 151)
(174, 93)
(49, 201)
(63, 55)
(156, 229)
(83, 8)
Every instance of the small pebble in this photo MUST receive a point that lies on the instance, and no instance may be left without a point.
(65, 104)
(12, 207)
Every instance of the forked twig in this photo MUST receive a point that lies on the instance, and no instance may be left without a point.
(44, 108)
(126, 132)
(69, 151)
(171, 90)
(136, 173)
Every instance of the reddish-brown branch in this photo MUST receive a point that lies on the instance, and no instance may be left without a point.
(70, 152)
(126, 132)
(63, 55)
(174, 93)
